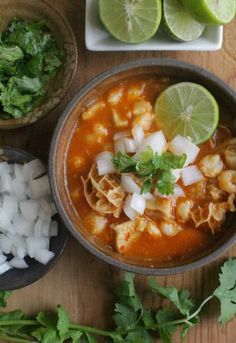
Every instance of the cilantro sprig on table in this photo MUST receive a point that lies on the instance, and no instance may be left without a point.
(133, 322)
(154, 170)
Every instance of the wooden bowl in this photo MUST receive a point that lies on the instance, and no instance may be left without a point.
(61, 30)
(18, 278)
(165, 67)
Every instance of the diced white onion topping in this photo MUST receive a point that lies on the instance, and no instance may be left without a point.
(138, 203)
(181, 145)
(119, 146)
(120, 135)
(191, 175)
(4, 268)
(129, 211)
(105, 167)
(105, 155)
(156, 141)
(33, 170)
(129, 185)
(130, 145)
(138, 134)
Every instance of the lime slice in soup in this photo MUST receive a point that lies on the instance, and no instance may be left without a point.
(179, 24)
(187, 109)
(211, 11)
(131, 21)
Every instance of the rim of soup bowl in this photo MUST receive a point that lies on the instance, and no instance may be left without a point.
(132, 267)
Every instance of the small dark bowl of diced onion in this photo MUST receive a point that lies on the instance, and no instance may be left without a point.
(32, 238)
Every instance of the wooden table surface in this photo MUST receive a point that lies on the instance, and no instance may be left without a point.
(80, 281)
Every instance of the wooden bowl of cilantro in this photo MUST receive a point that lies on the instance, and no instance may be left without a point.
(38, 60)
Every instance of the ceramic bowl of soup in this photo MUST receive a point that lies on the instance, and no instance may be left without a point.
(111, 123)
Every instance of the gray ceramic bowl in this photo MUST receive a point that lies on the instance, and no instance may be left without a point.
(164, 67)
(18, 278)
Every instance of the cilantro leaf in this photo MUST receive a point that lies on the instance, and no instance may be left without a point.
(164, 316)
(147, 186)
(168, 161)
(140, 335)
(148, 319)
(124, 163)
(63, 323)
(166, 182)
(47, 319)
(4, 295)
(181, 299)
(127, 294)
(226, 292)
(125, 317)
(147, 155)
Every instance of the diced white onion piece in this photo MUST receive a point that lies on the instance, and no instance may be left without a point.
(4, 268)
(29, 209)
(3, 259)
(54, 229)
(43, 256)
(18, 171)
(178, 192)
(181, 145)
(19, 189)
(18, 263)
(4, 168)
(138, 203)
(10, 206)
(48, 207)
(105, 155)
(191, 175)
(33, 170)
(177, 174)
(120, 135)
(105, 167)
(40, 187)
(6, 183)
(129, 211)
(5, 219)
(119, 146)
(156, 141)
(138, 134)
(22, 226)
(130, 145)
(129, 185)
(147, 196)
(5, 244)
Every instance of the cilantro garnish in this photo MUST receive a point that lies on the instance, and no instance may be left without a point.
(154, 170)
(133, 323)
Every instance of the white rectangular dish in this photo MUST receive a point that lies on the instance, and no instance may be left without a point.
(98, 39)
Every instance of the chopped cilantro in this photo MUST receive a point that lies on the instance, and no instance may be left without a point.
(153, 169)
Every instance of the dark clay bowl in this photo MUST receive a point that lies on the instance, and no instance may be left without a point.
(153, 67)
(18, 278)
(42, 10)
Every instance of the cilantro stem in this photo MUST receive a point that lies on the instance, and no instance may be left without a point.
(14, 339)
(18, 322)
(187, 319)
(92, 330)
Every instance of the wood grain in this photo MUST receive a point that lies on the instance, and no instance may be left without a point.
(80, 281)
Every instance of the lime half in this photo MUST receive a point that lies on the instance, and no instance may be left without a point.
(179, 23)
(187, 109)
(211, 11)
(131, 21)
